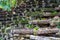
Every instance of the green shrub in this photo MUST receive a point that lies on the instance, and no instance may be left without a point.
(7, 4)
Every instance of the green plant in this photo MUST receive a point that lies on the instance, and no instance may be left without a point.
(7, 4)
(6, 27)
(58, 24)
(54, 12)
(1, 38)
(23, 21)
(30, 26)
(36, 28)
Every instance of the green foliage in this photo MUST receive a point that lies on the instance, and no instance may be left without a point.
(30, 26)
(36, 28)
(1, 38)
(23, 21)
(16, 22)
(58, 24)
(7, 4)
(54, 13)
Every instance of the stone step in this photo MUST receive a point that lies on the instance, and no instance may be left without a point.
(43, 38)
(39, 31)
